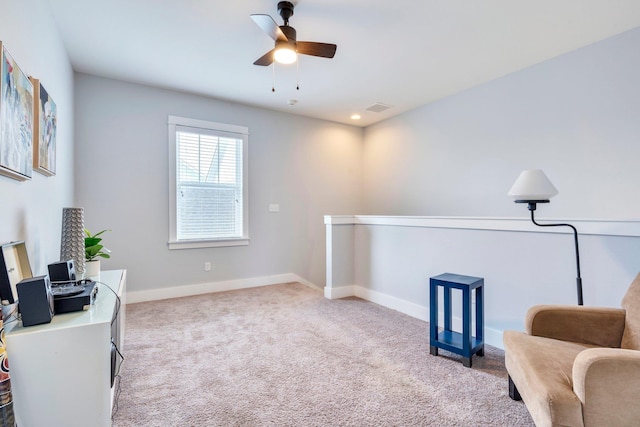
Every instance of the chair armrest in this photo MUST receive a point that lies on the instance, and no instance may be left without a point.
(607, 382)
(599, 326)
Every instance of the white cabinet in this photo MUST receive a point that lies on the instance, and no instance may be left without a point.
(61, 371)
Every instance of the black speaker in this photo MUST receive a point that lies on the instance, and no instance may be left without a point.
(63, 271)
(35, 300)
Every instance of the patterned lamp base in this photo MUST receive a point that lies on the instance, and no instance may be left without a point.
(72, 242)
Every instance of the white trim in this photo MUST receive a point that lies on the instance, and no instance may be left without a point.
(605, 227)
(205, 124)
(339, 292)
(205, 288)
(329, 260)
(492, 333)
(176, 121)
(412, 309)
(295, 278)
(194, 244)
(492, 336)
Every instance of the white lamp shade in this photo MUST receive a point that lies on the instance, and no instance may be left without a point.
(532, 185)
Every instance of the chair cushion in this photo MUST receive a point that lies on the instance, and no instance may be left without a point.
(631, 303)
(541, 369)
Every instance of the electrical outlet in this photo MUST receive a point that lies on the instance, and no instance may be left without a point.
(207, 266)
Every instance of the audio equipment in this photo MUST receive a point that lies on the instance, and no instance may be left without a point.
(35, 300)
(66, 290)
(62, 271)
(79, 301)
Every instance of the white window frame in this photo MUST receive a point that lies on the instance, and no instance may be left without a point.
(240, 132)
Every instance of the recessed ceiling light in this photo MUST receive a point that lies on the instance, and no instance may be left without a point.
(355, 117)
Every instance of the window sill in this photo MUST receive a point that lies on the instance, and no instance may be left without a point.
(194, 244)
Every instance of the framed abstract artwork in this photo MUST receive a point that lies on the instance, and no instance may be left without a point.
(45, 118)
(16, 119)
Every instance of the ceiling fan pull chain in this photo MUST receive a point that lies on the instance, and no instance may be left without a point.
(298, 74)
(273, 86)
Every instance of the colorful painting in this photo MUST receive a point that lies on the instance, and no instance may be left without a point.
(45, 118)
(16, 120)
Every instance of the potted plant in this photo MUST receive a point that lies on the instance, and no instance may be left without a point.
(93, 251)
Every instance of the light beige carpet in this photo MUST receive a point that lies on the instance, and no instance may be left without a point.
(284, 355)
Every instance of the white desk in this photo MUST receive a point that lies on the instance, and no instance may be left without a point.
(61, 371)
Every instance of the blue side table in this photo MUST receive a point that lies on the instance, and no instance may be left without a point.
(463, 343)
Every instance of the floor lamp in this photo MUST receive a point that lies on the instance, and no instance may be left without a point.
(533, 187)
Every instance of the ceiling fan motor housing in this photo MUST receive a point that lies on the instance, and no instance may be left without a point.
(290, 32)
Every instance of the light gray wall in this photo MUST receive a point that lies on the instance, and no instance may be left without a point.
(391, 258)
(575, 116)
(520, 269)
(32, 210)
(309, 167)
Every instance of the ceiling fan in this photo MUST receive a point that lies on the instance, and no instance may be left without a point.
(286, 46)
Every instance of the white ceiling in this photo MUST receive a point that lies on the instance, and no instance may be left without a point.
(401, 53)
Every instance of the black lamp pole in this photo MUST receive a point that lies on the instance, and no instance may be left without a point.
(532, 208)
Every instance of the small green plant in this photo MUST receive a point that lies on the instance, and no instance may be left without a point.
(92, 247)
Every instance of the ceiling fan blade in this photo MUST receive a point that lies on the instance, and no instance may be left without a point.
(325, 50)
(269, 26)
(266, 59)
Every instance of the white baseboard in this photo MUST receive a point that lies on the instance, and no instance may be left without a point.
(205, 288)
(304, 282)
(412, 309)
(492, 336)
(339, 292)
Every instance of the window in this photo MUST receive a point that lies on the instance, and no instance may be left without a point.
(208, 184)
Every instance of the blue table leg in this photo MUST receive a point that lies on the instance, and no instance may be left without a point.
(433, 316)
(466, 327)
(480, 319)
(447, 308)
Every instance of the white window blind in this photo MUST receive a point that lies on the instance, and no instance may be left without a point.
(209, 199)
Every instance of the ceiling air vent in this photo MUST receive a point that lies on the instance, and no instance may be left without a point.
(378, 107)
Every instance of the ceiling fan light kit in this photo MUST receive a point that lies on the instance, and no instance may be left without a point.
(284, 53)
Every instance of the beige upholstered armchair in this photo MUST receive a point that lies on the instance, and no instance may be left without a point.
(577, 365)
